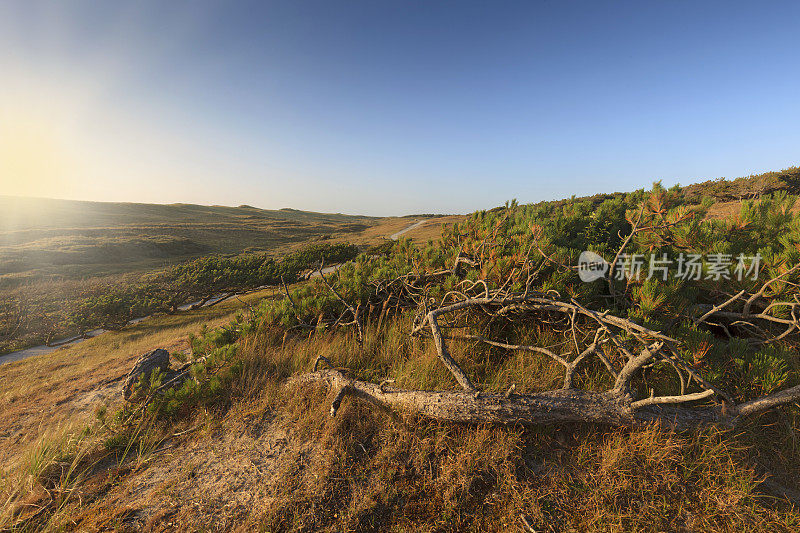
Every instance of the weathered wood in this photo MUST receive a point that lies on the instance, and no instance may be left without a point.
(552, 407)
(638, 348)
(444, 354)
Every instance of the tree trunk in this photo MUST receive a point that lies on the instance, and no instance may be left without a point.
(543, 408)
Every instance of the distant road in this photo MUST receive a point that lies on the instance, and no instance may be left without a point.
(39, 350)
(394, 237)
(397, 235)
(326, 270)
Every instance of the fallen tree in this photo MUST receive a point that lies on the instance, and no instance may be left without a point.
(549, 407)
(618, 405)
(599, 340)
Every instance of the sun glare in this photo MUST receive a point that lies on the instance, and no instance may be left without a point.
(33, 153)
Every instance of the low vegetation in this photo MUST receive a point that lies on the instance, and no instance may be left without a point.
(54, 253)
(111, 305)
(702, 364)
(59, 239)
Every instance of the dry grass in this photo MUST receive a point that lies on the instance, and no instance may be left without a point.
(65, 386)
(41, 286)
(273, 459)
(431, 229)
(726, 210)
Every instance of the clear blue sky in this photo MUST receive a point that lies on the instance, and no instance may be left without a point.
(381, 107)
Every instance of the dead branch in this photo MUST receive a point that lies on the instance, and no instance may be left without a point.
(444, 354)
(548, 407)
(764, 287)
(617, 405)
(356, 315)
(761, 405)
(655, 400)
(719, 307)
(624, 348)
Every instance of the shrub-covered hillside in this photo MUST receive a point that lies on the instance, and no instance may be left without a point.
(481, 382)
(722, 291)
(33, 315)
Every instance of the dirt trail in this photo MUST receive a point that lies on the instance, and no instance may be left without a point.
(397, 235)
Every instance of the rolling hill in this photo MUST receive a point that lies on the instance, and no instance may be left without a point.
(44, 238)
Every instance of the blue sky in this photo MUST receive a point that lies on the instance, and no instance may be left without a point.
(382, 108)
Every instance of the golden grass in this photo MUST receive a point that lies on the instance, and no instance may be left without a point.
(374, 470)
(726, 210)
(273, 459)
(64, 386)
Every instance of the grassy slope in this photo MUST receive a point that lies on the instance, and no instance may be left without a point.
(88, 373)
(275, 459)
(54, 251)
(44, 238)
(62, 388)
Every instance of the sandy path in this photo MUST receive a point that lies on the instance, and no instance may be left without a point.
(397, 235)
